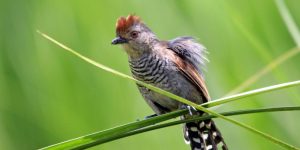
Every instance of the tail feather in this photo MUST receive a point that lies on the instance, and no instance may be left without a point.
(203, 135)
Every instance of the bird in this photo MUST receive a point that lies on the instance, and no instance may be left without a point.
(175, 66)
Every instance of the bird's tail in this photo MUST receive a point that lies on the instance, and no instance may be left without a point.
(203, 135)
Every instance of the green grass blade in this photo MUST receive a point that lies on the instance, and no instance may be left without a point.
(231, 113)
(251, 93)
(294, 31)
(173, 96)
(101, 137)
(289, 21)
(272, 65)
(145, 125)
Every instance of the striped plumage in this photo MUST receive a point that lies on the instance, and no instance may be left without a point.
(174, 66)
(148, 68)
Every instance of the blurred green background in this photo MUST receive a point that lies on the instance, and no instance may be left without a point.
(48, 95)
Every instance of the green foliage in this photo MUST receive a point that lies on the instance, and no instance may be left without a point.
(48, 96)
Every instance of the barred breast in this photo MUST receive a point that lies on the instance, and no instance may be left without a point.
(155, 70)
(150, 69)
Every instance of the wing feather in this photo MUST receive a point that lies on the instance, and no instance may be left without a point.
(190, 57)
(190, 50)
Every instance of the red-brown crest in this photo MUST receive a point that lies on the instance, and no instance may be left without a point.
(124, 23)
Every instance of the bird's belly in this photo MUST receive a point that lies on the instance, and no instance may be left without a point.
(177, 84)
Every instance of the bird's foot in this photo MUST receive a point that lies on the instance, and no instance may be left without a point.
(192, 110)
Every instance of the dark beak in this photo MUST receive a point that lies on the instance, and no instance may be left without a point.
(118, 40)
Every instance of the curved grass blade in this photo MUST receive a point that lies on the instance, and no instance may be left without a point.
(101, 137)
(294, 32)
(231, 113)
(173, 96)
(289, 21)
(112, 134)
(250, 93)
(272, 65)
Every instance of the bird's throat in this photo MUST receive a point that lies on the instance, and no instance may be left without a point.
(132, 53)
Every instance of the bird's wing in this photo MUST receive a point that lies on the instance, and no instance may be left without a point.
(189, 59)
(189, 50)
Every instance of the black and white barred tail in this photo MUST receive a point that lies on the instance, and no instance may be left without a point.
(203, 135)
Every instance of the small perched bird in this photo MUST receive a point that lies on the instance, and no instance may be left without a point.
(174, 66)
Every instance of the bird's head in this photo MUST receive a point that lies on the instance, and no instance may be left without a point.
(133, 35)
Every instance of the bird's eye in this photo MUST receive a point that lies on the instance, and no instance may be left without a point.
(134, 34)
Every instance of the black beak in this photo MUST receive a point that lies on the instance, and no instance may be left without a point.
(118, 40)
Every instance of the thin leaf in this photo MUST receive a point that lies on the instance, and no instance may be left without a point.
(102, 136)
(272, 65)
(138, 127)
(231, 113)
(294, 32)
(289, 21)
(250, 93)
